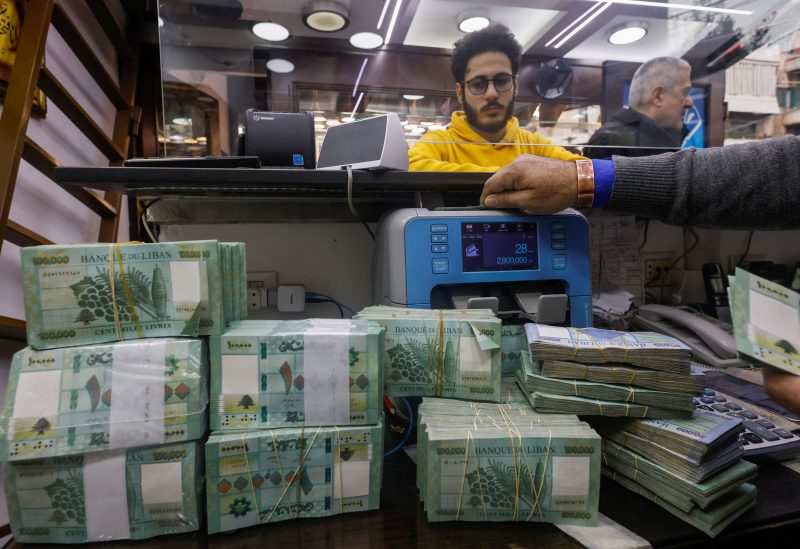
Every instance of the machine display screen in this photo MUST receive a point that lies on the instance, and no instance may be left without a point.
(499, 246)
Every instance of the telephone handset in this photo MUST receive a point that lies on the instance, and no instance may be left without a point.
(709, 343)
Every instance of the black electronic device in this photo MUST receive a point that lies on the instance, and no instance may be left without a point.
(280, 139)
(716, 284)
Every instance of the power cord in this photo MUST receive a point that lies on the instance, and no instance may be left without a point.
(316, 297)
(402, 443)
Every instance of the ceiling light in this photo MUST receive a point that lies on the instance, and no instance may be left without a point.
(182, 121)
(670, 5)
(627, 34)
(412, 97)
(392, 21)
(325, 15)
(366, 40)
(160, 22)
(473, 20)
(280, 65)
(271, 31)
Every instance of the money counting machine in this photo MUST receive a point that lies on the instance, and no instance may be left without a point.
(525, 266)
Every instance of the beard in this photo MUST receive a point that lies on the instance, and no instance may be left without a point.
(472, 116)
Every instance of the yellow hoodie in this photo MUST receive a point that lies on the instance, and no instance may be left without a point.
(452, 150)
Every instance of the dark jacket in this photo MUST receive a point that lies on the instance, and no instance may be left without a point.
(631, 133)
(750, 186)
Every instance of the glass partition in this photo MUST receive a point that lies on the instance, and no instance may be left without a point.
(577, 82)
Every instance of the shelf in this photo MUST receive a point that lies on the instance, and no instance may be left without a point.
(12, 328)
(245, 195)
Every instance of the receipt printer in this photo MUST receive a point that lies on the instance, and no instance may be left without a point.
(532, 267)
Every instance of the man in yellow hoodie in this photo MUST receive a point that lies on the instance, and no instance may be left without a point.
(485, 136)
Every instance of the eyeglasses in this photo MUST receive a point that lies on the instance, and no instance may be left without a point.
(502, 83)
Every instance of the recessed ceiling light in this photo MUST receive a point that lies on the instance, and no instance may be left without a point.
(366, 40)
(627, 34)
(280, 65)
(412, 97)
(473, 20)
(325, 15)
(271, 31)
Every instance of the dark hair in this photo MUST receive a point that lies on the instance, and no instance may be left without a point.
(495, 37)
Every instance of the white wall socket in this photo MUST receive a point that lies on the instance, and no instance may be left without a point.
(258, 286)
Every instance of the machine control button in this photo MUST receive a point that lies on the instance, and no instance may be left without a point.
(440, 265)
(440, 248)
(559, 245)
(558, 226)
(559, 262)
(438, 228)
(561, 235)
(438, 238)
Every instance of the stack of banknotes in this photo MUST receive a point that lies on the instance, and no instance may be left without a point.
(505, 462)
(450, 353)
(267, 374)
(513, 343)
(93, 398)
(261, 477)
(692, 468)
(94, 293)
(766, 321)
(133, 493)
(589, 371)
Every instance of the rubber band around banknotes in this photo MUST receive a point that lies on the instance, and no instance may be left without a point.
(464, 476)
(297, 471)
(631, 395)
(440, 357)
(644, 414)
(112, 249)
(250, 474)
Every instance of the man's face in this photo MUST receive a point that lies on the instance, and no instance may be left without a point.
(676, 100)
(489, 112)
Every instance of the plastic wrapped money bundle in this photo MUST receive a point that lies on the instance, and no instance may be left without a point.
(765, 317)
(260, 477)
(92, 398)
(512, 470)
(94, 293)
(267, 374)
(450, 353)
(123, 494)
(594, 346)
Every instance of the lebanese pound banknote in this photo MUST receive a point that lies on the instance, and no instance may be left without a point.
(596, 346)
(267, 374)
(95, 293)
(440, 353)
(261, 477)
(79, 400)
(766, 321)
(122, 494)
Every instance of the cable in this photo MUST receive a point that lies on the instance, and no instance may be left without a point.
(318, 295)
(368, 229)
(677, 259)
(350, 192)
(319, 300)
(408, 431)
(646, 227)
(746, 249)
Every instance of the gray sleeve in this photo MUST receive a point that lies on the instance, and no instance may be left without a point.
(749, 186)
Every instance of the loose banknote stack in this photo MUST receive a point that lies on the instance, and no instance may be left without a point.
(504, 462)
(267, 374)
(94, 293)
(513, 343)
(261, 477)
(766, 321)
(79, 400)
(450, 353)
(590, 371)
(692, 467)
(133, 493)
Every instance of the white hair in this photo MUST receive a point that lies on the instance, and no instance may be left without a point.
(658, 72)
